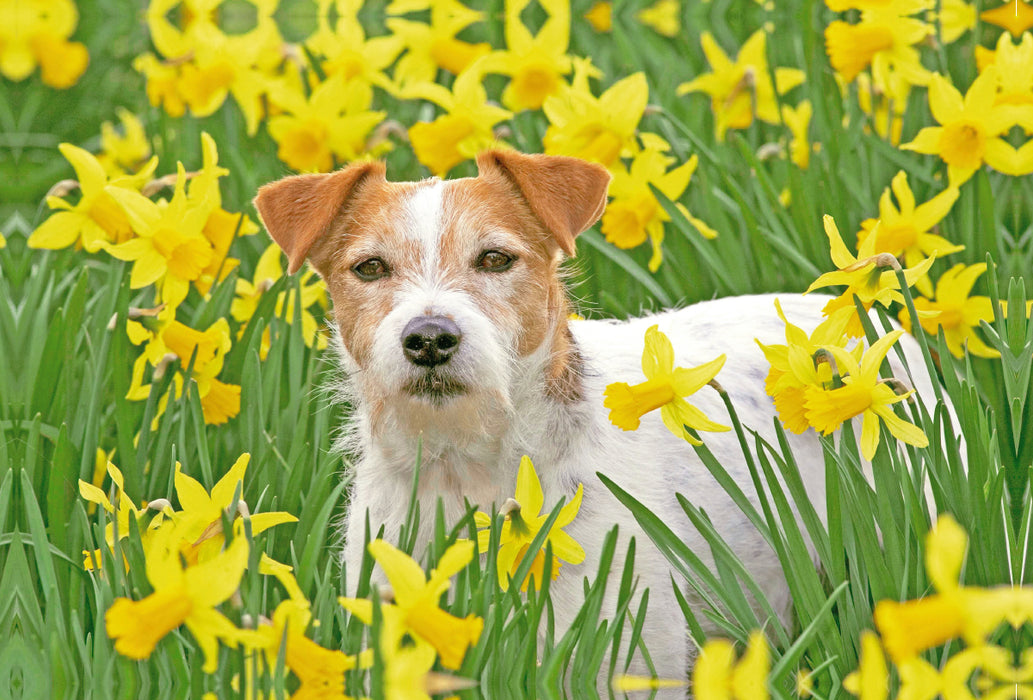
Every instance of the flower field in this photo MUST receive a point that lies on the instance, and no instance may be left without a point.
(171, 500)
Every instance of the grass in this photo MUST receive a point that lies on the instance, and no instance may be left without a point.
(65, 372)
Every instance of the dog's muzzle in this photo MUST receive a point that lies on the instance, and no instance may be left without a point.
(429, 341)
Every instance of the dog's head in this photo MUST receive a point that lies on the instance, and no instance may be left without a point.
(440, 288)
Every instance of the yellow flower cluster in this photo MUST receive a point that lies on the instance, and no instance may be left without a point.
(883, 53)
(176, 245)
(194, 568)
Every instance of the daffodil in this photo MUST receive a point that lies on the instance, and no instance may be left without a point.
(600, 129)
(268, 270)
(663, 17)
(634, 212)
(864, 275)
(971, 129)
(182, 596)
(956, 17)
(906, 232)
(535, 64)
(884, 39)
(1014, 74)
(741, 90)
(801, 363)
(862, 394)
(871, 680)
(524, 520)
(884, 103)
(127, 152)
(798, 121)
(200, 516)
(408, 664)
(434, 45)
(1016, 16)
(35, 33)
(346, 50)
(170, 247)
(666, 387)
(416, 600)
(717, 675)
(122, 512)
(956, 312)
(162, 83)
(600, 16)
(464, 131)
(97, 219)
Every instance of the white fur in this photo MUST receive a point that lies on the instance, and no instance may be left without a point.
(472, 445)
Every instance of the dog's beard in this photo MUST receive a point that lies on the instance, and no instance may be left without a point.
(434, 386)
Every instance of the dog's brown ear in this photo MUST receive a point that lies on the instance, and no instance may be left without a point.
(299, 209)
(567, 194)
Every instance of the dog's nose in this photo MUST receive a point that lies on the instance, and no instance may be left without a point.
(429, 341)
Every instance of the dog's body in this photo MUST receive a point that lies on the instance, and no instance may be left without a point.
(453, 332)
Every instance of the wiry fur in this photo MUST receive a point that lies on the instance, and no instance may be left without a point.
(534, 381)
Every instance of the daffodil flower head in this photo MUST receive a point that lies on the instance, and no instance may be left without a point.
(718, 675)
(871, 680)
(953, 310)
(416, 600)
(868, 275)
(523, 521)
(666, 387)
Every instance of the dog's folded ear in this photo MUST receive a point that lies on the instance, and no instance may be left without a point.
(298, 210)
(567, 194)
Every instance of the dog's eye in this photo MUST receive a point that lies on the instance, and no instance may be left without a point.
(372, 269)
(494, 261)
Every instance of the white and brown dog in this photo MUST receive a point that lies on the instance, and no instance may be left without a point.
(453, 325)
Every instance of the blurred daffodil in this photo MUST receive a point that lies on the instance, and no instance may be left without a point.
(956, 312)
(666, 387)
(871, 680)
(35, 33)
(718, 676)
(523, 521)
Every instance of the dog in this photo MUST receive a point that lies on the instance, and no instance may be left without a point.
(452, 326)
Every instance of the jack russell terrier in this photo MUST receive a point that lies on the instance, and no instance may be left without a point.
(452, 321)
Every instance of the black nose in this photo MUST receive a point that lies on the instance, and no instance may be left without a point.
(428, 341)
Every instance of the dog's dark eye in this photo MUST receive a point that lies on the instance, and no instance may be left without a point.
(494, 261)
(372, 269)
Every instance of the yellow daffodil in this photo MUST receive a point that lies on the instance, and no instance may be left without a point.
(200, 514)
(971, 129)
(1014, 74)
(957, 313)
(267, 271)
(97, 219)
(742, 89)
(600, 16)
(663, 17)
(906, 232)
(599, 129)
(1016, 16)
(884, 103)
(319, 670)
(408, 664)
(221, 226)
(666, 387)
(333, 123)
(416, 600)
(535, 64)
(717, 675)
(956, 17)
(871, 680)
(634, 212)
(170, 248)
(432, 46)
(801, 363)
(162, 83)
(524, 520)
(627, 683)
(121, 513)
(464, 131)
(884, 39)
(36, 32)
(346, 50)
(863, 276)
(181, 596)
(862, 394)
(127, 152)
(798, 121)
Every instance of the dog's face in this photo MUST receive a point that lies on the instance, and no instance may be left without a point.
(440, 288)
